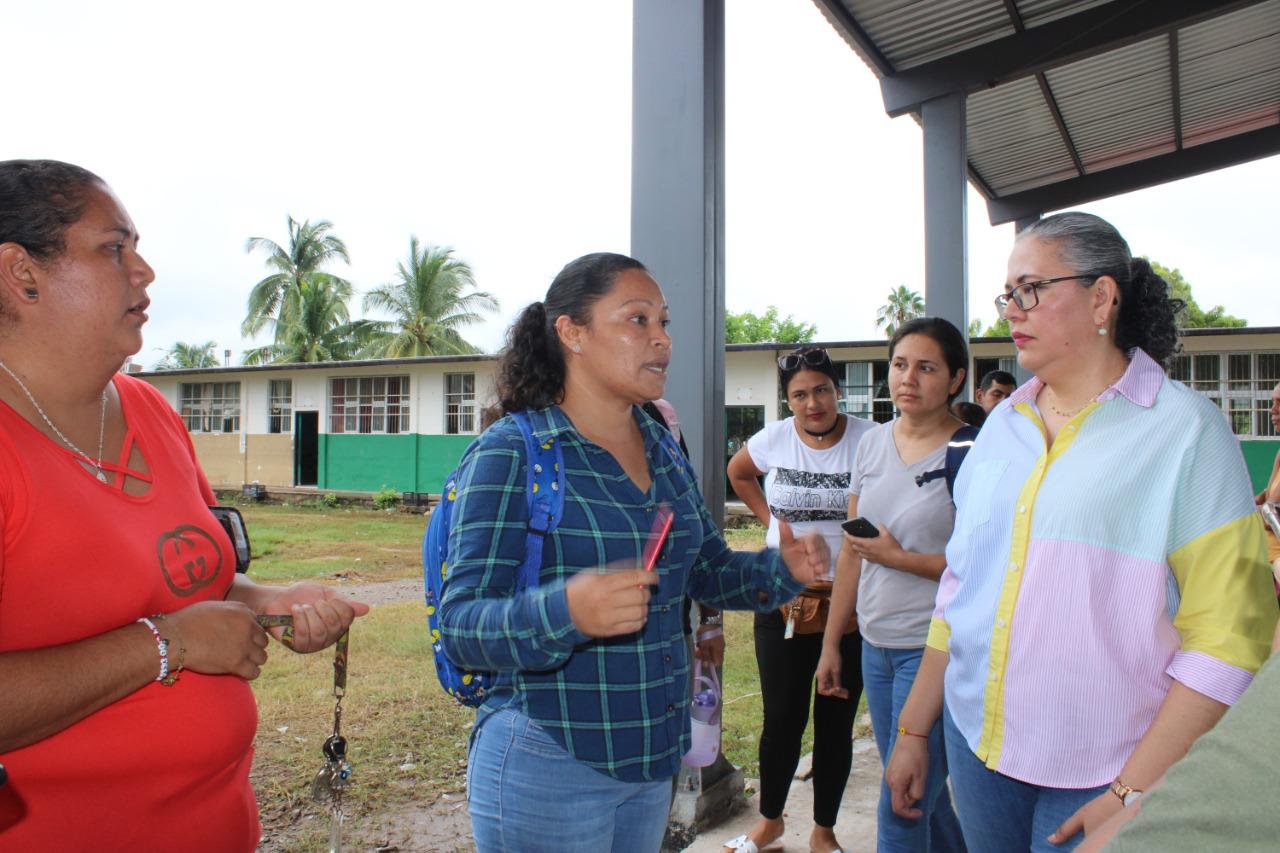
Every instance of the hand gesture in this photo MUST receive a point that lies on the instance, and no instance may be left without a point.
(808, 558)
(828, 674)
(1088, 817)
(320, 615)
(220, 637)
(610, 603)
(905, 775)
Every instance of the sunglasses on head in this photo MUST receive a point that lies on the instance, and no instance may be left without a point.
(808, 358)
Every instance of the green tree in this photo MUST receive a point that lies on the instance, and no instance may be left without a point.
(1192, 315)
(185, 356)
(749, 328)
(903, 305)
(275, 299)
(429, 302)
(319, 329)
(999, 330)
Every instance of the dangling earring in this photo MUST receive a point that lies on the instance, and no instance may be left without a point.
(1102, 330)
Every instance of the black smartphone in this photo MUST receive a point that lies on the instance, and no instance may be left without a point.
(860, 527)
(233, 522)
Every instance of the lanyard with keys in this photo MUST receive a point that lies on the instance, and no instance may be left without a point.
(334, 777)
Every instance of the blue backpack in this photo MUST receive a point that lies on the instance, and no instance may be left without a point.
(545, 491)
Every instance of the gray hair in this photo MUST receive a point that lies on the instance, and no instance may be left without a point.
(1087, 243)
(1090, 245)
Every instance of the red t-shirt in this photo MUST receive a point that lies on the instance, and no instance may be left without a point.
(165, 768)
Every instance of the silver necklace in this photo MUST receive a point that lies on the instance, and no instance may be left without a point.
(102, 424)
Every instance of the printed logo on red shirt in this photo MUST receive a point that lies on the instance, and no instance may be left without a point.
(190, 559)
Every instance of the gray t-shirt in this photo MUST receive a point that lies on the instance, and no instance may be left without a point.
(894, 607)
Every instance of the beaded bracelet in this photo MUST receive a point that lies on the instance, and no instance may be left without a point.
(162, 644)
(174, 671)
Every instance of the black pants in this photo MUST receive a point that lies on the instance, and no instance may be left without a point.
(787, 669)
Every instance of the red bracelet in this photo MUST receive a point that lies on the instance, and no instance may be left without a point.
(902, 730)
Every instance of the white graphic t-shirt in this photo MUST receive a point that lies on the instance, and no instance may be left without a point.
(806, 487)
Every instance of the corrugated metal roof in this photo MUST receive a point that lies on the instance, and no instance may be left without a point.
(1230, 69)
(1116, 106)
(913, 32)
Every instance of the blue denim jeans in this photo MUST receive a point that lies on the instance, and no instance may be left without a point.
(1003, 815)
(527, 795)
(887, 676)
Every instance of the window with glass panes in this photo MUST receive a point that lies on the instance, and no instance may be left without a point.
(369, 404)
(1239, 383)
(865, 390)
(210, 406)
(459, 403)
(280, 406)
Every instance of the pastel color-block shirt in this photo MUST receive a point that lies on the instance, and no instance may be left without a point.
(1083, 578)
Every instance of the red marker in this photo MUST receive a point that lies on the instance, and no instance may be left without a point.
(658, 536)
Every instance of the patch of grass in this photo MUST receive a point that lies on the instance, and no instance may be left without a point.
(406, 740)
(305, 543)
(745, 538)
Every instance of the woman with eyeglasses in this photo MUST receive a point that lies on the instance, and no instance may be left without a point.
(1106, 596)
(805, 460)
(890, 578)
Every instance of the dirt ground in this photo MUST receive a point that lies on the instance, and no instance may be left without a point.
(443, 826)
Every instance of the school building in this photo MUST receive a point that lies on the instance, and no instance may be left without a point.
(404, 423)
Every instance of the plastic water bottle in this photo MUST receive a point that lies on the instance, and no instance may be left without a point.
(704, 714)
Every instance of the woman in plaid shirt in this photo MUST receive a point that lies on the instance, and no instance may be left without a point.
(577, 741)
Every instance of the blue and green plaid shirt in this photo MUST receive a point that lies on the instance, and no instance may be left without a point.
(620, 704)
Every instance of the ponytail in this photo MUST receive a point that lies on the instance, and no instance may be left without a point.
(531, 367)
(1148, 315)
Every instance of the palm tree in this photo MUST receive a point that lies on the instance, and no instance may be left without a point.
(185, 356)
(320, 329)
(276, 297)
(429, 304)
(903, 305)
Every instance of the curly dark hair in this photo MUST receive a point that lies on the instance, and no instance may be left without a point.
(1090, 245)
(531, 367)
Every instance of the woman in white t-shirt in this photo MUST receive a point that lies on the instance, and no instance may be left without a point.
(892, 578)
(806, 461)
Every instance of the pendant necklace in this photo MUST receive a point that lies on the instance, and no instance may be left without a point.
(102, 425)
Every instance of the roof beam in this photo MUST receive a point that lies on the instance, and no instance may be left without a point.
(1175, 89)
(1042, 48)
(1195, 160)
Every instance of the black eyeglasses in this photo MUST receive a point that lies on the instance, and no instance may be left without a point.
(808, 358)
(1027, 296)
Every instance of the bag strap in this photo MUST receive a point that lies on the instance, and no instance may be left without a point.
(957, 448)
(544, 489)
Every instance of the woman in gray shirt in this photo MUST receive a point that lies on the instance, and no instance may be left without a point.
(892, 578)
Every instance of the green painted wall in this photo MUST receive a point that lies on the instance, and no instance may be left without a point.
(405, 463)
(1260, 455)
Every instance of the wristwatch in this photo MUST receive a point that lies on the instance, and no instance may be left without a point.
(1127, 793)
(716, 620)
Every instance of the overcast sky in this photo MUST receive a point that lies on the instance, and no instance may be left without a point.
(503, 129)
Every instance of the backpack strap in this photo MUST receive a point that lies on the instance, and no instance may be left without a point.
(544, 488)
(957, 448)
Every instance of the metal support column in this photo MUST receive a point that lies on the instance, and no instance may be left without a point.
(946, 288)
(677, 231)
(677, 208)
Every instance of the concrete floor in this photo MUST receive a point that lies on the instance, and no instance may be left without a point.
(855, 826)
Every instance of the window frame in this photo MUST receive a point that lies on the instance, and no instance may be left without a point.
(211, 402)
(369, 405)
(461, 414)
(279, 407)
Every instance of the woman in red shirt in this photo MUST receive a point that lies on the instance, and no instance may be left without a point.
(126, 637)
